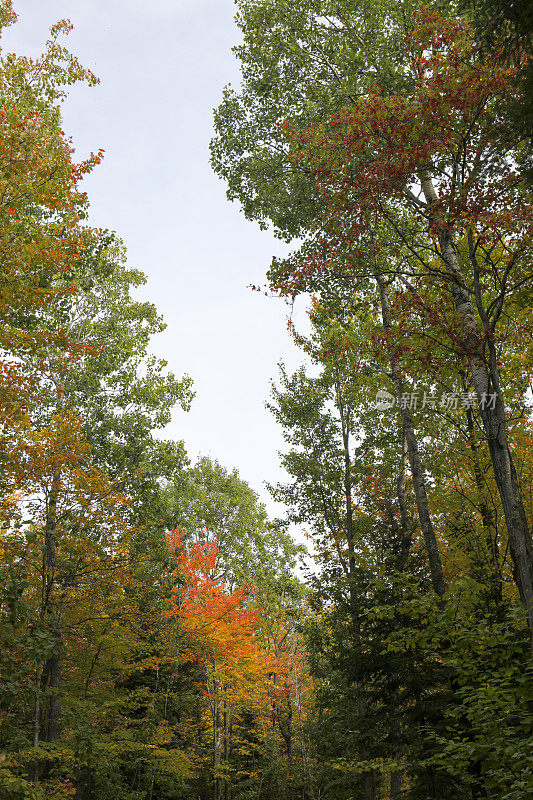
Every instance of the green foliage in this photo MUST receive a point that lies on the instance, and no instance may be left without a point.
(301, 61)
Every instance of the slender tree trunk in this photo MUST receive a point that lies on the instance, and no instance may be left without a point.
(54, 707)
(50, 672)
(304, 748)
(34, 768)
(417, 472)
(406, 523)
(226, 729)
(286, 732)
(51, 611)
(37, 707)
(489, 528)
(217, 741)
(405, 546)
(396, 785)
(406, 531)
(368, 779)
(486, 380)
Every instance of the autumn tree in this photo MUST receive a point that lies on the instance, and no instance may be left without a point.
(224, 629)
(482, 249)
(438, 187)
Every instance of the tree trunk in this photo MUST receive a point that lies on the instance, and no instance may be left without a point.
(396, 785)
(34, 766)
(286, 731)
(217, 742)
(489, 528)
(53, 733)
(305, 749)
(368, 779)
(226, 731)
(50, 610)
(417, 473)
(406, 523)
(406, 532)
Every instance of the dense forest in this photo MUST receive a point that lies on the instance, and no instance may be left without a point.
(157, 638)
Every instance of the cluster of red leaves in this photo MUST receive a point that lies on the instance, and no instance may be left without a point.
(365, 159)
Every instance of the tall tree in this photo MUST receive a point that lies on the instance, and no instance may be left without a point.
(399, 138)
(436, 138)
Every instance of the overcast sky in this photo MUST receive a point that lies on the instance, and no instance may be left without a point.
(162, 66)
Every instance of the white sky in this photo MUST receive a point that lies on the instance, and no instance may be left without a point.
(162, 66)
